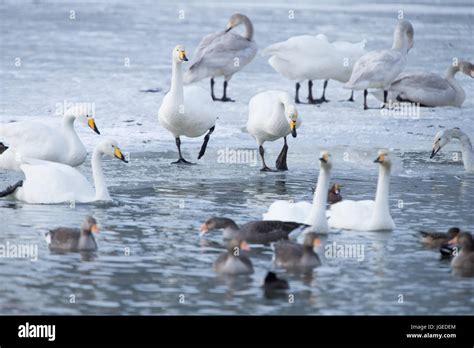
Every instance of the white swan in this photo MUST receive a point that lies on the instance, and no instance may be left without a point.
(187, 111)
(430, 89)
(272, 115)
(223, 54)
(445, 136)
(312, 214)
(308, 57)
(367, 215)
(49, 182)
(45, 141)
(378, 69)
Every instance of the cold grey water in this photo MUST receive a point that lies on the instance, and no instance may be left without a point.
(151, 259)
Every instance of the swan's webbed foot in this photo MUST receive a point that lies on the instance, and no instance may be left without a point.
(224, 99)
(281, 160)
(351, 99)
(266, 169)
(316, 101)
(183, 161)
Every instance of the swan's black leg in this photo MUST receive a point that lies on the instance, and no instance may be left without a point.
(281, 160)
(365, 100)
(224, 96)
(10, 189)
(351, 99)
(206, 140)
(385, 95)
(311, 100)
(212, 89)
(265, 168)
(323, 97)
(297, 91)
(181, 160)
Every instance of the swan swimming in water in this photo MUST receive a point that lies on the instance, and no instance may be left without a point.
(187, 111)
(50, 183)
(308, 57)
(312, 214)
(430, 89)
(445, 136)
(272, 115)
(223, 54)
(367, 215)
(378, 69)
(45, 140)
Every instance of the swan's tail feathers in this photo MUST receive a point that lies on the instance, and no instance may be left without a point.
(272, 49)
(10, 189)
(3, 148)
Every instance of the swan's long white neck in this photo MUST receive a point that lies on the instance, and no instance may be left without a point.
(381, 208)
(317, 217)
(466, 149)
(449, 74)
(176, 90)
(285, 104)
(400, 41)
(248, 29)
(101, 191)
(69, 131)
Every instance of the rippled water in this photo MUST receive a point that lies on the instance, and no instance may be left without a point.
(150, 254)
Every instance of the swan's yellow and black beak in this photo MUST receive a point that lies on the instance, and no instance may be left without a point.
(182, 56)
(95, 228)
(119, 155)
(92, 125)
(436, 149)
(324, 158)
(293, 128)
(380, 159)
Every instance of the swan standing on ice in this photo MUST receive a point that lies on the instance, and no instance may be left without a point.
(306, 213)
(45, 141)
(367, 215)
(430, 89)
(272, 115)
(445, 136)
(378, 69)
(308, 57)
(223, 54)
(49, 182)
(188, 110)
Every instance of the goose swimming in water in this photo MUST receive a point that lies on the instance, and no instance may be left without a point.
(334, 194)
(445, 136)
(187, 111)
(272, 116)
(430, 89)
(437, 239)
(45, 140)
(378, 69)
(223, 54)
(308, 57)
(234, 261)
(367, 215)
(463, 263)
(254, 232)
(74, 239)
(295, 256)
(49, 182)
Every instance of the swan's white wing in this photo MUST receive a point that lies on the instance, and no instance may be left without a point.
(351, 215)
(202, 48)
(376, 69)
(225, 54)
(424, 80)
(49, 182)
(286, 211)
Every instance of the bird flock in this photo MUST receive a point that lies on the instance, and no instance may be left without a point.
(47, 153)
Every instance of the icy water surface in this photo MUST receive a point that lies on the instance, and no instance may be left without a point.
(151, 259)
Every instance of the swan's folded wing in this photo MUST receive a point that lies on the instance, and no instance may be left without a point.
(352, 215)
(49, 182)
(417, 80)
(287, 211)
(203, 48)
